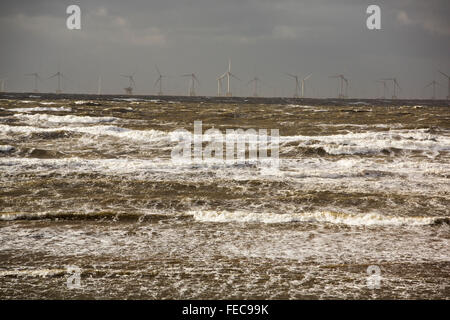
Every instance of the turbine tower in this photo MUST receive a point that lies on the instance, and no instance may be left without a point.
(192, 83)
(448, 78)
(36, 78)
(433, 84)
(131, 84)
(303, 84)
(255, 81)
(159, 80)
(227, 74)
(219, 86)
(384, 87)
(59, 75)
(343, 92)
(396, 86)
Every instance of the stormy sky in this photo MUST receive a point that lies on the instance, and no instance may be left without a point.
(263, 38)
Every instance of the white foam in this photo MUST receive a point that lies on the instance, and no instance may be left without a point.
(150, 137)
(370, 219)
(82, 102)
(66, 109)
(6, 148)
(359, 103)
(362, 126)
(39, 118)
(373, 142)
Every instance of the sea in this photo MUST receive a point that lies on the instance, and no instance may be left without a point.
(93, 206)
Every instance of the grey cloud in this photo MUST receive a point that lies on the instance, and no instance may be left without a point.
(261, 36)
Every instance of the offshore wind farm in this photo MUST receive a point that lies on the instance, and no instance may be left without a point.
(299, 88)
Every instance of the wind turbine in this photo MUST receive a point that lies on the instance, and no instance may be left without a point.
(36, 78)
(192, 83)
(159, 80)
(255, 80)
(297, 86)
(59, 75)
(384, 87)
(346, 88)
(396, 86)
(342, 92)
(131, 85)
(448, 78)
(303, 84)
(433, 84)
(227, 74)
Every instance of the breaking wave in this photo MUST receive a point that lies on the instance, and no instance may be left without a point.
(38, 118)
(369, 219)
(55, 109)
(372, 142)
(119, 132)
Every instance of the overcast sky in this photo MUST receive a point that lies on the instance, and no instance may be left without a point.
(263, 38)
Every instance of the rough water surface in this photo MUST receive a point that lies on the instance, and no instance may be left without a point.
(90, 183)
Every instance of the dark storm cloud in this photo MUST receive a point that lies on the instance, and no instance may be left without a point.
(263, 37)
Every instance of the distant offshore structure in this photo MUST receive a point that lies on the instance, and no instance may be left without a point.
(59, 75)
(395, 86)
(297, 84)
(448, 79)
(37, 78)
(192, 82)
(433, 85)
(255, 81)
(299, 89)
(159, 81)
(343, 91)
(131, 85)
(228, 75)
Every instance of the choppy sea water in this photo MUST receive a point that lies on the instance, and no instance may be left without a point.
(91, 184)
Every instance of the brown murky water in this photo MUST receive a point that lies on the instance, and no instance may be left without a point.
(91, 184)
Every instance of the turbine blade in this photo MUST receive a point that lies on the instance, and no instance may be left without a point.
(445, 75)
(428, 85)
(234, 76)
(307, 77)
